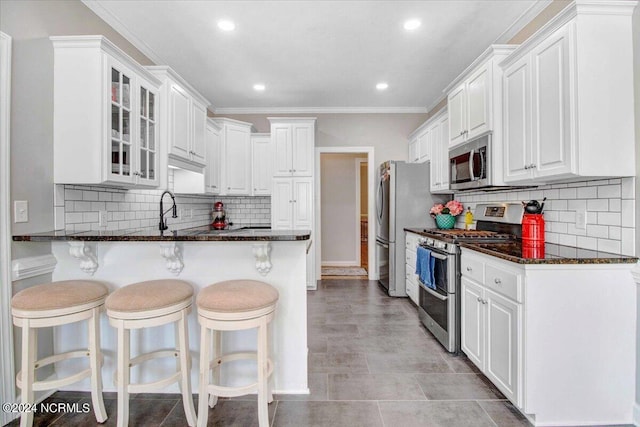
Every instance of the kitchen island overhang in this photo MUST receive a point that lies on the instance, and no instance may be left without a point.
(277, 257)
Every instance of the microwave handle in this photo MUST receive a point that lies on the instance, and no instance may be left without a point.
(472, 175)
(482, 163)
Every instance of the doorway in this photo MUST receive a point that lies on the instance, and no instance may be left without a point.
(342, 224)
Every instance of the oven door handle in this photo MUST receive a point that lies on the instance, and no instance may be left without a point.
(432, 292)
(435, 254)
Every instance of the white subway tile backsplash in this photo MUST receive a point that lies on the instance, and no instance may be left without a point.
(90, 195)
(598, 205)
(615, 205)
(607, 191)
(104, 196)
(615, 232)
(587, 193)
(574, 205)
(608, 218)
(567, 239)
(628, 214)
(600, 231)
(628, 242)
(587, 242)
(628, 189)
(608, 245)
(567, 193)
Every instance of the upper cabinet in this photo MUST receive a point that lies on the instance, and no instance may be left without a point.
(235, 165)
(212, 172)
(105, 120)
(184, 117)
(568, 107)
(473, 98)
(261, 164)
(293, 146)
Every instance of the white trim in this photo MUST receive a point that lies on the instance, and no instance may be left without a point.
(321, 110)
(635, 272)
(522, 21)
(24, 268)
(117, 25)
(358, 165)
(7, 373)
(372, 267)
(353, 264)
(636, 414)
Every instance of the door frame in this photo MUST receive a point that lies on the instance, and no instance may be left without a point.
(7, 368)
(369, 152)
(358, 164)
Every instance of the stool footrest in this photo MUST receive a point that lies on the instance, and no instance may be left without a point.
(148, 387)
(154, 355)
(60, 382)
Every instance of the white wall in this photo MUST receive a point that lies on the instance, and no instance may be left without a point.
(636, 66)
(340, 245)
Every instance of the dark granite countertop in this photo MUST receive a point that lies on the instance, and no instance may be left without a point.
(550, 254)
(199, 234)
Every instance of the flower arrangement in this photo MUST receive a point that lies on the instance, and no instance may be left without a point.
(452, 207)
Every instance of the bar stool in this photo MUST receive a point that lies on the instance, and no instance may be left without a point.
(231, 306)
(55, 304)
(143, 305)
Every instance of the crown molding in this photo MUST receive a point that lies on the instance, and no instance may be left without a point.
(96, 7)
(522, 21)
(322, 110)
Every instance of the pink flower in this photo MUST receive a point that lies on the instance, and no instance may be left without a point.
(452, 207)
(436, 209)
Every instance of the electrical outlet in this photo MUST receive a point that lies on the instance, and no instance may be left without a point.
(102, 218)
(581, 219)
(21, 211)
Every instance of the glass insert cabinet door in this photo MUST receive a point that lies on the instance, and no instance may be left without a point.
(147, 147)
(121, 126)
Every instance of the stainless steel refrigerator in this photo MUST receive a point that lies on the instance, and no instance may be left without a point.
(403, 200)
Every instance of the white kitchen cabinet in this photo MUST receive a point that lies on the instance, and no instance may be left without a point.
(420, 144)
(293, 146)
(491, 322)
(473, 99)
(412, 241)
(213, 170)
(293, 207)
(413, 156)
(235, 157)
(439, 171)
(105, 119)
(184, 115)
(567, 105)
(261, 164)
(425, 142)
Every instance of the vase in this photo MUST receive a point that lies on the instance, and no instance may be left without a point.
(445, 221)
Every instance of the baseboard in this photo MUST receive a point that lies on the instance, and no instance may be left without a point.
(340, 264)
(636, 414)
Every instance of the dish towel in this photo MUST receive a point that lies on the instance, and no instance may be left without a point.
(425, 265)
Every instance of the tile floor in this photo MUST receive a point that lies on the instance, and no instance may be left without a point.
(371, 363)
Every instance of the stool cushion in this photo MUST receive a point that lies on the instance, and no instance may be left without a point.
(57, 295)
(150, 295)
(237, 296)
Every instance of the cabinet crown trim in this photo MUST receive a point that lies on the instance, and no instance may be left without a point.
(104, 44)
(423, 127)
(291, 119)
(490, 52)
(223, 120)
(163, 72)
(578, 7)
(213, 123)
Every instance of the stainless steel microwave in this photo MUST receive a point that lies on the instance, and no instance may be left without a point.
(470, 164)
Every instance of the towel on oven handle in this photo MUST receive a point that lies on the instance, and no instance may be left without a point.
(425, 266)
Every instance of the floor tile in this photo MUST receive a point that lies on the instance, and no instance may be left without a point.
(333, 330)
(379, 344)
(327, 414)
(457, 387)
(82, 418)
(434, 414)
(317, 389)
(399, 362)
(337, 363)
(460, 364)
(232, 413)
(504, 414)
(374, 387)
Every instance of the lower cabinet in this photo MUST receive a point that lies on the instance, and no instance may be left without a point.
(491, 323)
(412, 285)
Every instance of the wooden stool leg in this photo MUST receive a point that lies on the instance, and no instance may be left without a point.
(185, 371)
(95, 361)
(217, 354)
(205, 348)
(263, 410)
(123, 375)
(29, 351)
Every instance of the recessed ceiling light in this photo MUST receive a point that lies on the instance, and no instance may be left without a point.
(382, 86)
(226, 25)
(259, 87)
(412, 24)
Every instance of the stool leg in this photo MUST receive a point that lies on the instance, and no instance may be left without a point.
(29, 351)
(205, 348)
(123, 373)
(95, 361)
(266, 367)
(217, 354)
(263, 410)
(185, 372)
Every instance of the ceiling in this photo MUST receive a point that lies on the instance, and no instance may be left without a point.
(317, 55)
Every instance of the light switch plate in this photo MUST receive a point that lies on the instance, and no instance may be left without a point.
(581, 219)
(21, 211)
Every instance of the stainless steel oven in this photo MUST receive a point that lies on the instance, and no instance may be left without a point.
(470, 165)
(438, 308)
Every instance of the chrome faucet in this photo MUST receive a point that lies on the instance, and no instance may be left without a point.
(163, 223)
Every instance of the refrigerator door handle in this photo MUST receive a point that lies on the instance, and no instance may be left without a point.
(381, 243)
(380, 200)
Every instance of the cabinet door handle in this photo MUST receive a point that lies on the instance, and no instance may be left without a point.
(290, 170)
(479, 299)
(294, 170)
(532, 166)
(228, 188)
(469, 268)
(461, 132)
(526, 167)
(497, 280)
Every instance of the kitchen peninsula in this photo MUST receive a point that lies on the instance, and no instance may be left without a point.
(200, 256)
